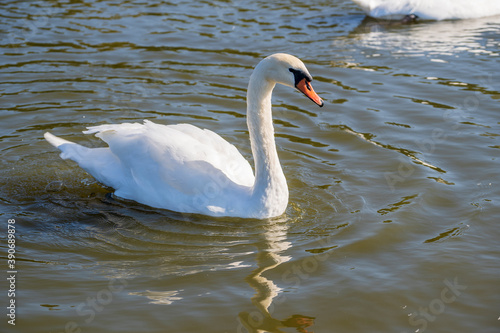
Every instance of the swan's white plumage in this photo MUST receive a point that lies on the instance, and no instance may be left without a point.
(177, 167)
(180, 144)
(430, 9)
(187, 169)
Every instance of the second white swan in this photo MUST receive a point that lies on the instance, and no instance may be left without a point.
(190, 170)
(429, 9)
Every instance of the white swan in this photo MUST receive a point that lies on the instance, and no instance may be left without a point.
(191, 170)
(429, 9)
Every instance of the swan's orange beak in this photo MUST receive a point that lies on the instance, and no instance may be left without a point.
(305, 87)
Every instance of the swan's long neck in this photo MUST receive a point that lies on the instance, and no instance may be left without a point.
(270, 189)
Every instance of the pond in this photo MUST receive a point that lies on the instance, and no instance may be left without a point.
(392, 222)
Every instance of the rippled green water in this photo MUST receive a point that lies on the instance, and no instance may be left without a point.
(394, 206)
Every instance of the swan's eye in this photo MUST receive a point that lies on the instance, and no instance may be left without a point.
(300, 75)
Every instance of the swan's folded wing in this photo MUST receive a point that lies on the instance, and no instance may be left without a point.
(179, 154)
(211, 148)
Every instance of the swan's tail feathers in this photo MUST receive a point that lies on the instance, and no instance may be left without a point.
(69, 150)
(54, 140)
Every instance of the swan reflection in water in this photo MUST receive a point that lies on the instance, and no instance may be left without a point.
(268, 295)
(427, 37)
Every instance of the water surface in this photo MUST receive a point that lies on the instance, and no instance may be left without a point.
(392, 224)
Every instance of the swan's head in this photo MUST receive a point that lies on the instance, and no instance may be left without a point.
(289, 71)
